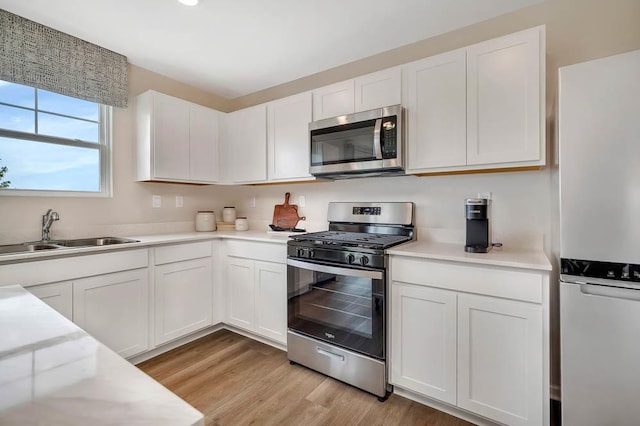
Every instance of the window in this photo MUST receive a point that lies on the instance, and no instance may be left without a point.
(53, 143)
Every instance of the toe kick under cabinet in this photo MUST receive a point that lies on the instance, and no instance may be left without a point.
(473, 337)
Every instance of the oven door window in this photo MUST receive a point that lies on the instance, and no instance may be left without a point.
(345, 144)
(343, 309)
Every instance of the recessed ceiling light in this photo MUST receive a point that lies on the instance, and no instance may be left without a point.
(189, 2)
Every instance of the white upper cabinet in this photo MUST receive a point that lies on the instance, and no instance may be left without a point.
(246, 145)
(204, 144)
(334, 100)
(375, 90)
(288, 137)
(379, 89)
(505, 99)
(177, 141)
(436, 102)
(480, 107)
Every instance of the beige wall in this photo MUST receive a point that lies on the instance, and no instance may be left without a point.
(525, 204)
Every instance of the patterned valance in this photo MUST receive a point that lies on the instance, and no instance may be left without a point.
(36, 55)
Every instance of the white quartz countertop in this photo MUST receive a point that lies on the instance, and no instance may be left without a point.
(54, 373)
(502, 256)
(151, 240)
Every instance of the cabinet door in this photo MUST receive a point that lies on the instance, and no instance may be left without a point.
(334, 100)
(271, 300)
(505, 100)
(423, 347)
(203, 144)
(379, 89)
(246, 131)
(288, 137)
(56, 295)
(114, 308)
(170, 137)
(500, 359)
(240, 293)
(436, 102)
(183, 296)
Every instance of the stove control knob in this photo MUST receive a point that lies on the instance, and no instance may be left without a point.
(312, 254)
(364, 260)
(351, 258)
(300, 252)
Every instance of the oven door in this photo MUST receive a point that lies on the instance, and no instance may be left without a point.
(341, 306)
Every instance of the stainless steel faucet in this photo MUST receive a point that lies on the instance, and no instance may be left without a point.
(47, 220)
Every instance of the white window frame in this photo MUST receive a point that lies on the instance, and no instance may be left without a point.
(104, 150)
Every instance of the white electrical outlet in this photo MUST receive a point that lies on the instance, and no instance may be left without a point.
(485, 195)
(252, 202)
(179, 201)
(156, 201)
(302, 201)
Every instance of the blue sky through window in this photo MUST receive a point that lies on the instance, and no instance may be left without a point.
(38, 165)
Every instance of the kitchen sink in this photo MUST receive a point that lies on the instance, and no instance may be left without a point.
(62, 244)
(93, 242)
(25, 248)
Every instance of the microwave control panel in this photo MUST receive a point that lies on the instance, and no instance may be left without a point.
(389, 136)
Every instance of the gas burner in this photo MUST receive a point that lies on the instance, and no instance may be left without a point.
(353, 239)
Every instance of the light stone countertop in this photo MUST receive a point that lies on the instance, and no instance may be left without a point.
(54, 373)
(499, 256)
(149, 241)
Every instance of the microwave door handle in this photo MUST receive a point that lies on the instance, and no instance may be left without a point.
(377, 143)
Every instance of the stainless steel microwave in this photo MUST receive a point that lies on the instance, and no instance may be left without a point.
(368, 143)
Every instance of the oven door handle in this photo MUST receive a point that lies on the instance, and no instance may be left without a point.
(376, 275)
(377, 144)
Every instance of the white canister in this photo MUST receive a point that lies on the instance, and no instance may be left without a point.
(205, 221)
(242, 224)
(229, 214)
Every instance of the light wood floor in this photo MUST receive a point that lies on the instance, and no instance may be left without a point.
(234, 380)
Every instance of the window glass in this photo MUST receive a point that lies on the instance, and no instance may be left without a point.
(45, 166)
(17, 94)
(66, 105)
(70, 128)
(51, 142)
(22, 120)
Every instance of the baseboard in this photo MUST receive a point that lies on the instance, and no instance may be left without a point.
(174, 344)
(137, 359)
(441, 406)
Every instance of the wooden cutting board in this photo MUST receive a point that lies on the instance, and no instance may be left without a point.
(286, 215)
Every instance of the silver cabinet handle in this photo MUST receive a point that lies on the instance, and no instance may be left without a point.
(332, 355)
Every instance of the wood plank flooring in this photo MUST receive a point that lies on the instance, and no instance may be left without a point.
(234, 380)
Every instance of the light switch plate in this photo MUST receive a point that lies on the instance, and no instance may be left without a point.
(179, 201)
(156, 201)
(302, 201)
(252, 202)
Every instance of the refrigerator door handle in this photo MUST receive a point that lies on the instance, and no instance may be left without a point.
(612, 292)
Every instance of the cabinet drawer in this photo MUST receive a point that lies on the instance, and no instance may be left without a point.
(67, 268)
(488, 280)
(268, 252)
(180, 252)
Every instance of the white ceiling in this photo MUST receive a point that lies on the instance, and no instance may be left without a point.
(236, 47)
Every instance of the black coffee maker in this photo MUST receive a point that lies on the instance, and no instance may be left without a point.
(478, 227)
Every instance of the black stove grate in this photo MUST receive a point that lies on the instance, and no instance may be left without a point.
(353, 239)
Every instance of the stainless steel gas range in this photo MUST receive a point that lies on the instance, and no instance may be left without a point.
(337, 292)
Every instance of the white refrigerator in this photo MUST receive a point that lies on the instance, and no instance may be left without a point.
(599, 143)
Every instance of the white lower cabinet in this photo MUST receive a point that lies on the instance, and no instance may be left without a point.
(424, 340)
(271, 300)
(499, 359)
(257, 288)
(114, 308)
(486, 354)
(57, 295)
(183, 298)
